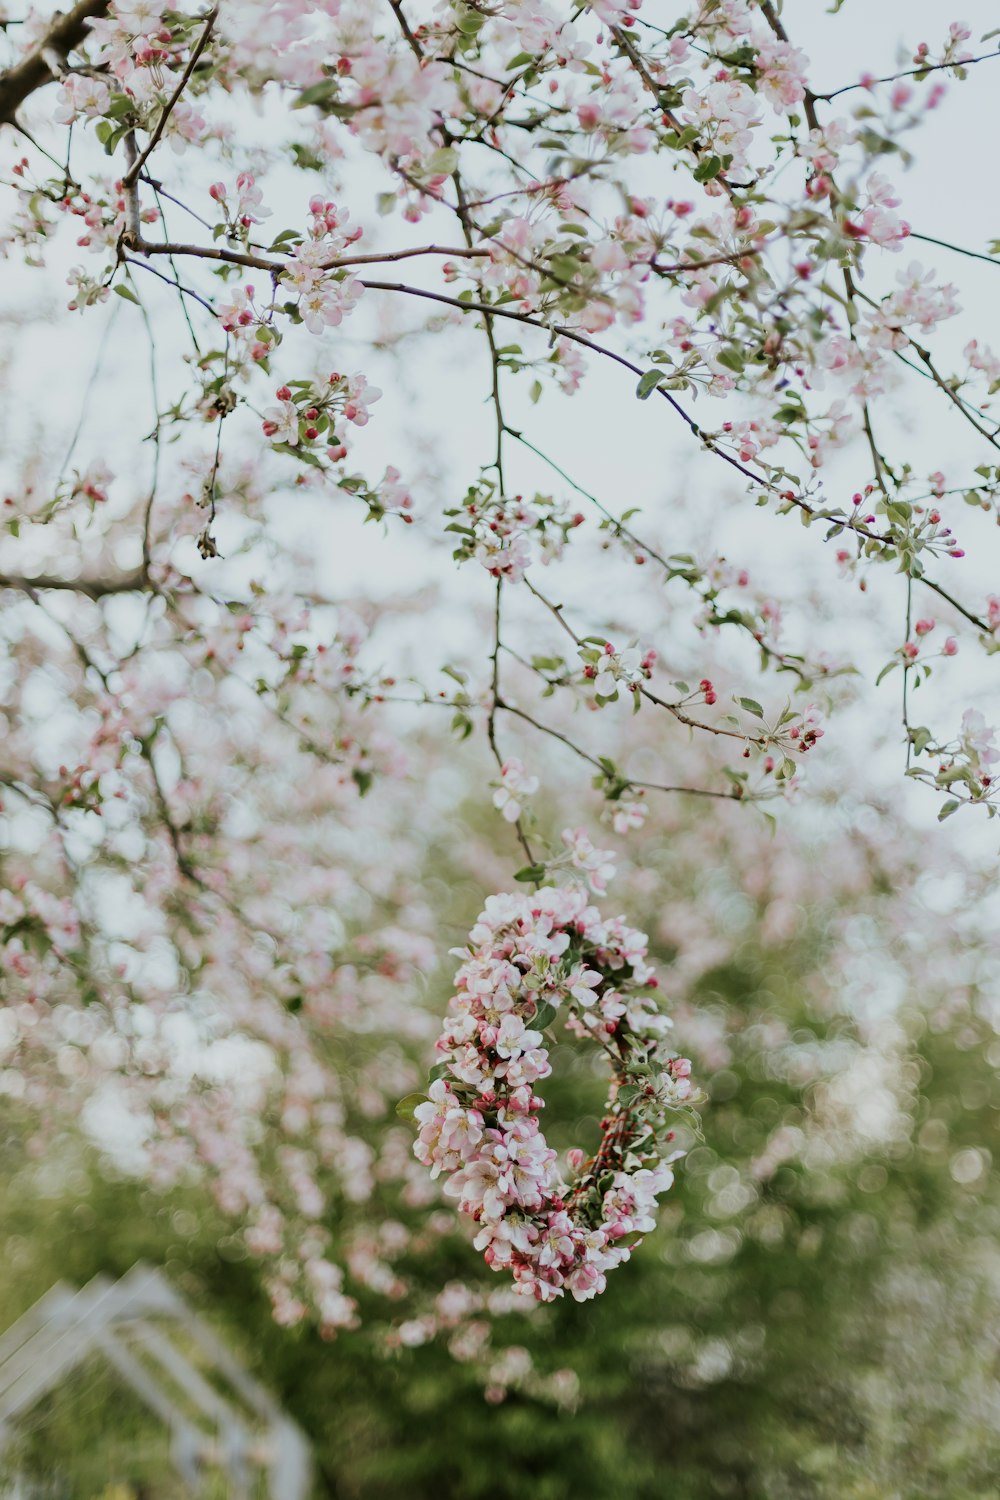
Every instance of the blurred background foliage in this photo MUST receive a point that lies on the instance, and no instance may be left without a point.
(814, 1318)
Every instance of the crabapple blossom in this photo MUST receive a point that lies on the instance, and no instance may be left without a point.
(282, 422)
(609, 669)
(82, 96)
(515, 786)
(627, 816)
(782, 69)
(549, 953)
(978, 738)
(598, 863)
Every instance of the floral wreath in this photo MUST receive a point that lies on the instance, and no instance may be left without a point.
(531, 958)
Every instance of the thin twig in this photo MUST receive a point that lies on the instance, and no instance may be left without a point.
(920, 72)
(652, 786)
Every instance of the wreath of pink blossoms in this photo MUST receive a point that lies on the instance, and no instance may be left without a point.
(531, 961)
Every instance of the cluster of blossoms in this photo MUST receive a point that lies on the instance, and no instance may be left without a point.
(324, 295)
(248, 208)
(309, 410)
(534, 961)
(134, 46)
(506, 533)
(597, 864)
(28, 912)
(966, 766)
(978, 741)
(311, 419)
(627, 814)
(81, 96)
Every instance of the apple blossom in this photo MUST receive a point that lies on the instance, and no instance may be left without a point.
(515, 786)
(479, 1124)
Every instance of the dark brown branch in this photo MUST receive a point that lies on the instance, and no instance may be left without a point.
(92, 588)
(34, 70)
(275, 267)
(406, 29)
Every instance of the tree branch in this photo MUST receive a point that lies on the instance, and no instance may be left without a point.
(92, 588)
(652, 786)
(918, 72)
(35, 70)
(275, 267)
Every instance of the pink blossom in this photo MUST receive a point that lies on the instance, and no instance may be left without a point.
(515, 786)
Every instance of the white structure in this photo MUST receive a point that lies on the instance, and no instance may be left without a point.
(134, 1323)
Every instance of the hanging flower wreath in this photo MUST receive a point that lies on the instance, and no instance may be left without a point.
(530, 960)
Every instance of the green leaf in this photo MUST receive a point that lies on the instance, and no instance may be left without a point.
(406, 1107)
(302, 454)
(708, 169)
(566, 267)
(318, 93)
(752, 707)
(546, 1015)
(126, 292)
(627, 1094)
(648, 383)
(442, 163)
(286, 237)
(531, 872)
(947, 810)
(920, 738)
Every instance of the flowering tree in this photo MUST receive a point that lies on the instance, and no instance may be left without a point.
(206, 807)
(818, 1292)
